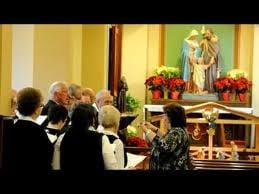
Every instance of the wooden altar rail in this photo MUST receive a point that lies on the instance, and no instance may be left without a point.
(224, 165)
(218, 121)
(195, 102)
(248, 119)
(225, 149)
(224, 108)
(254, 119)
(242, 152)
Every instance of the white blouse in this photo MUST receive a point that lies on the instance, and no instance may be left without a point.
(118, 149)
(110, 161)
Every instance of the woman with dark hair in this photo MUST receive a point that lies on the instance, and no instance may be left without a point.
(84, 150)
(28, 149)
(57, 116)
(170, 151)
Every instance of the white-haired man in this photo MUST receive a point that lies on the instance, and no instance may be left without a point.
(57, 94)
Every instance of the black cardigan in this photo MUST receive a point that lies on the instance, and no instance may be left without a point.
(81, 151)
(27, 149)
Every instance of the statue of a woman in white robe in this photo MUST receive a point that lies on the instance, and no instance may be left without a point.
(189, 49)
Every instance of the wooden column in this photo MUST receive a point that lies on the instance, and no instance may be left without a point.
(237, 46)
(115, 47)
(5, 69)
(162, 45)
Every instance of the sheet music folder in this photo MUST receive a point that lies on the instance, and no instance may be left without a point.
(126, 120)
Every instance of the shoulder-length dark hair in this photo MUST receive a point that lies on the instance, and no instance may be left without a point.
(176, 115)
(82, 116)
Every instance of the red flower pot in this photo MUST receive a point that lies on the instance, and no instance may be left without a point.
(226, 96)
(242, 97)
(175, 95)
(156, 94)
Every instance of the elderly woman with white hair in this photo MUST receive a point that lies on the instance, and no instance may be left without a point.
(109, 118)
(103, 97)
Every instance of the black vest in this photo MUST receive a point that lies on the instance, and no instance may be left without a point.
(27, 149)
(81, 151)
(112, 138)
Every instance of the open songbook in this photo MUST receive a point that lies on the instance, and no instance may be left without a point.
(41, 119)
(134, 160)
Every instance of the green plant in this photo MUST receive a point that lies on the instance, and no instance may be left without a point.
(237, 73)
(167, 72)
(132, 104)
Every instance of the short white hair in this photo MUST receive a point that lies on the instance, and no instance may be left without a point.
(54, 87)
(101, 94)
(109, 117)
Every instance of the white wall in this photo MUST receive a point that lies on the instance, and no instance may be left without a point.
(22, 56)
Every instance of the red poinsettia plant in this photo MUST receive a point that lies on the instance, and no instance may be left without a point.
(175, 84)
(224, 84)
(135, 141)
(155, 83)
(242, 85)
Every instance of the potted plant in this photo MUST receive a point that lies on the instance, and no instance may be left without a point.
(236, 73)
(242, 86)
(176, 86)
(167, 72)
(224, 86)
(156, 84)
(133, 140)
(132, 104)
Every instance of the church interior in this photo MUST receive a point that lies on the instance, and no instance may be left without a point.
(210, 70)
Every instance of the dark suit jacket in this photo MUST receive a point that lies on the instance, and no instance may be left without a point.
(96, 122)
(27, 149)
(46, 108)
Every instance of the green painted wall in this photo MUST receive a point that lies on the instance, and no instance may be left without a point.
(175, 34)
